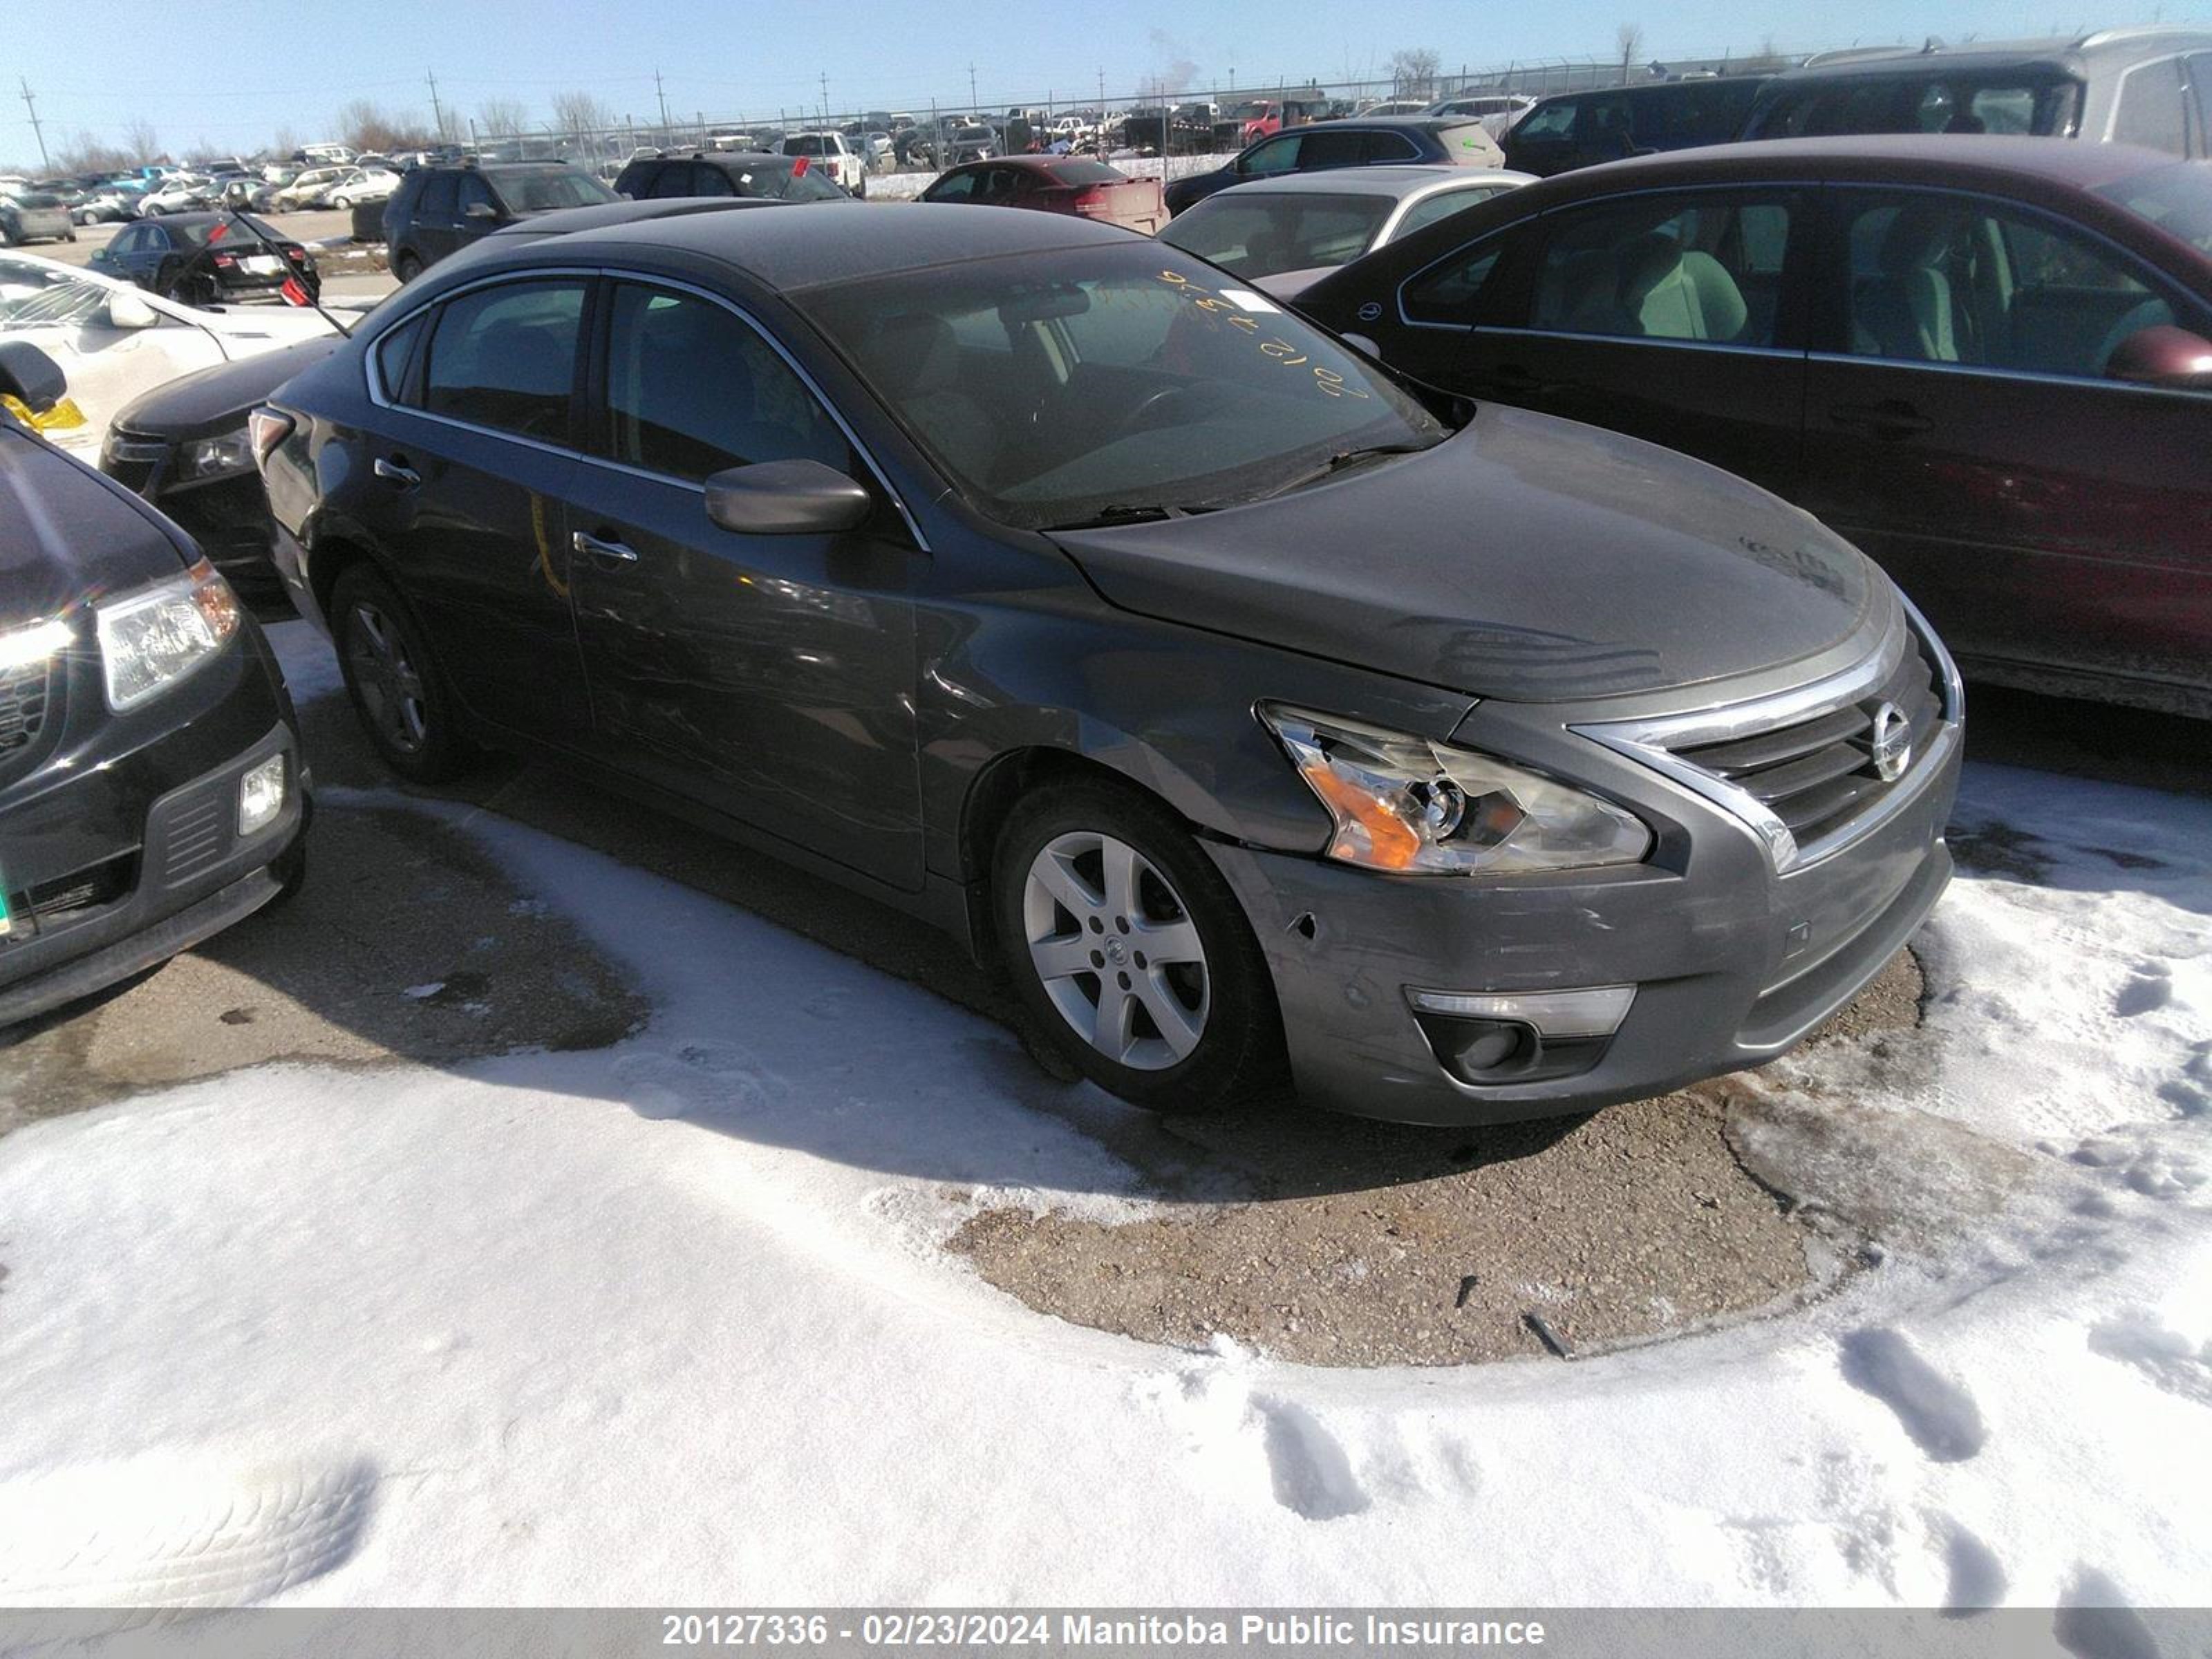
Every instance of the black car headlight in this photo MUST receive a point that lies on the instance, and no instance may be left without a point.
(219, 457)
(1411, 806)
(157, 636)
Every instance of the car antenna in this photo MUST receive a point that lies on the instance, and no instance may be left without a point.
(291, 278)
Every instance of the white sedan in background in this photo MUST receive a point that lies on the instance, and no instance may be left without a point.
(359, 185)
(114, 341)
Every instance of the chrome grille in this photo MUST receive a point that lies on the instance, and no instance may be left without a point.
(1798, 768)
(1817, 775)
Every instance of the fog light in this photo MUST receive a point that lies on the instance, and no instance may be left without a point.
(261, 795)
(1593, 1012)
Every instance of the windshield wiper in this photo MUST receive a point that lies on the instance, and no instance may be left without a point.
(1342, 461)
(1119, 514)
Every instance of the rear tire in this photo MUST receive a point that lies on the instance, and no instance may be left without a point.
(1130, 953)
(406, 268)
(398, 694)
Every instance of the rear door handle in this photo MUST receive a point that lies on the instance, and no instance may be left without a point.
(1891, 418)
(398, 471)
(607, 552)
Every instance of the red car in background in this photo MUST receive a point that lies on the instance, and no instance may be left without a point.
(1056, 184)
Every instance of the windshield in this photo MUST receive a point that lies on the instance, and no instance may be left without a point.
(2177, 199)
(1269, 234)
(1066, 387)
(552, 190)
(32, 296)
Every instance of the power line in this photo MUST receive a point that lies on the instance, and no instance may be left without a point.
(37, 131)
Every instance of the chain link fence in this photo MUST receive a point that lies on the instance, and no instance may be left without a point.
(1210, 119)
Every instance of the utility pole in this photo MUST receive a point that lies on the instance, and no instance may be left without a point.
(37, 131)
(437, 110)
(663, 96)
(823, 80)
(974, 109)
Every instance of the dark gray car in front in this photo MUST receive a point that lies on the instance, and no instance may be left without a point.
(1259, 716)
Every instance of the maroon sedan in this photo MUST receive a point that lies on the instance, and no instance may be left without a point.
(1055, 184)
(1986, 360)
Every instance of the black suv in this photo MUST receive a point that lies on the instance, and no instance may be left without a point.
(728, 173)
(1574, 130)
(2147, 86)
(440, 210)
(1382, 141)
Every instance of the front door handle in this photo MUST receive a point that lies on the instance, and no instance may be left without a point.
(606, 552)
(398, 471)
(1891, 418)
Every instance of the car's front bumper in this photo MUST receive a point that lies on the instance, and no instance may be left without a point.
(1732, 962)
(119, 844)
(228, 517)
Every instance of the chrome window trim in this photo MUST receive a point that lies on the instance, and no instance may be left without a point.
(1651, 741)
(2032, 376)
(378, 395)
(1642, 340)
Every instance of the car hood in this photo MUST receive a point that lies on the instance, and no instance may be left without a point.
(216, 399)
(68, 535)
(1526, 559)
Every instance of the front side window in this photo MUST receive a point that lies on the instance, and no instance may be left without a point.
(1276, 155)
(441, 195)
(673, 180)
(1702, 268)
(1555, 121)
(693, 389)
(1953, 279)
(505, 357)
(1449, 293)
(1141, 382)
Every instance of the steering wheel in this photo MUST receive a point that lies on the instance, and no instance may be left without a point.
(1141, 415)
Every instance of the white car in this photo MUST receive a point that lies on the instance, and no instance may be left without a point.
(359, 184)
(1495, 111)
(114, 341)
(830, 152)
(181, 193)
(308, 188)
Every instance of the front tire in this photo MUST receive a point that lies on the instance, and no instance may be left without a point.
(398, 694)
(1130, 952)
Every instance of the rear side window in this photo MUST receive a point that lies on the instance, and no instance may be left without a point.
(1322, 148)
(693, 389)
(1388, 147)
(1551, 121)
(1449, 293)
(505, 357)
(2153, 109)
(396, 358)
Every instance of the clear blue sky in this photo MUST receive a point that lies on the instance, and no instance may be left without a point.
(235, 74)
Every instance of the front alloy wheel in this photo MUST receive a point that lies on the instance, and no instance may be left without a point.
(395, 687)
(1116, 951)
(393, 699)
(1130, 954)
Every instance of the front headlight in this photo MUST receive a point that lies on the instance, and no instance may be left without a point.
(1414, 807)
(215, 458)
(150, 640)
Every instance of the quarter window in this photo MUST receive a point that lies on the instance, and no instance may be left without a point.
(1707, 268)
(1947, 279)
(693, 389)
(505, 357)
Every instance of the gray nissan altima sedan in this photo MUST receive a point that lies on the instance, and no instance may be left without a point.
(1264, 717)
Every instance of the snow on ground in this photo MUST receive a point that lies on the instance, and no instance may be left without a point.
(667, 1321)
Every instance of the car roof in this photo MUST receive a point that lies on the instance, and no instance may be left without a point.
(845, 240)
(1390, 181)
(2064, 52)
(1655, 88)
(1927, 156)
(1397, 123)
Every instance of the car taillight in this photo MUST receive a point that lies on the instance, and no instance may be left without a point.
(297, 255)
(264, 429)
(224, 262)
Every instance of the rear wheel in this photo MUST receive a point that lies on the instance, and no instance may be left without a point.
(343, 204)
(407, 267)
(398, 692)
(1130, 952)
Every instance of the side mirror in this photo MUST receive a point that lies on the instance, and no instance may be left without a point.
(480, 210)
(129, 310)
(29, 376)
(1362, 344)
(787, 498)
(2162, 357)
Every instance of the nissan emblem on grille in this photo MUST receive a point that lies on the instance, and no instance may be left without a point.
(1892, 742)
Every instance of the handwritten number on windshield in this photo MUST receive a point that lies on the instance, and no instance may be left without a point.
(1327, 381)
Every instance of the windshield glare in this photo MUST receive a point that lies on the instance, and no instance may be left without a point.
(1270, 234)
(2177, 199)
(34, 296)
(1057, 387)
